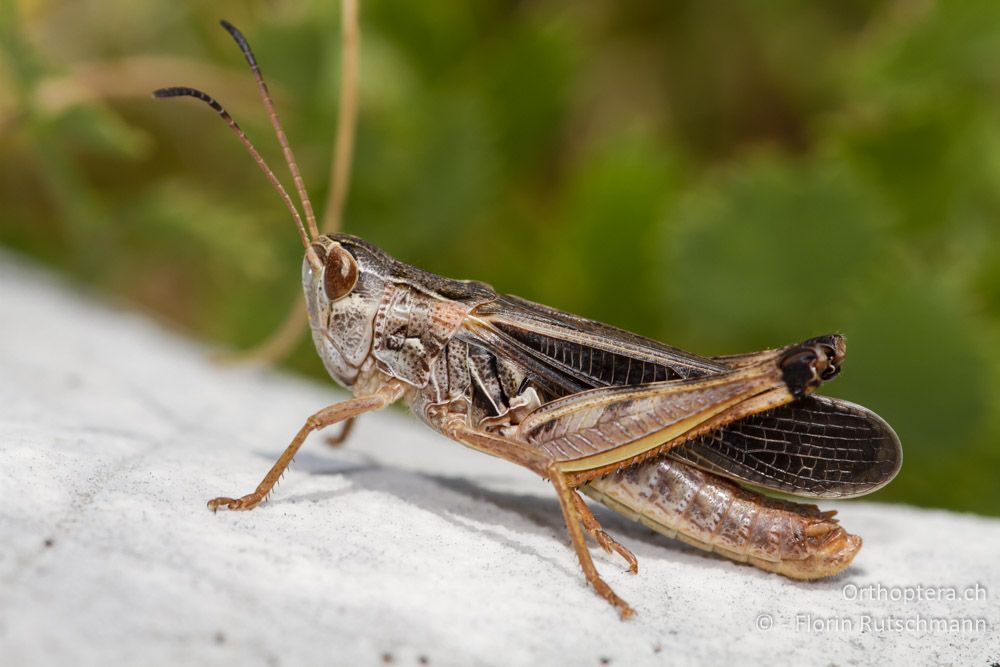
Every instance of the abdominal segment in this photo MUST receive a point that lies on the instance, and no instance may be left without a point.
(712, 513)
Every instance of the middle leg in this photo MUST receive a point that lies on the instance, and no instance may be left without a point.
(533, 459)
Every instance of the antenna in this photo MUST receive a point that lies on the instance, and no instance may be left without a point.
(286, 149)
(180, 91)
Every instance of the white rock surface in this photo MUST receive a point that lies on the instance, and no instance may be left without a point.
(399, 548)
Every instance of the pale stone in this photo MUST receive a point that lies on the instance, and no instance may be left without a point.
(400, 546)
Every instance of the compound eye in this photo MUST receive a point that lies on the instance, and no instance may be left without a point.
(340, 274)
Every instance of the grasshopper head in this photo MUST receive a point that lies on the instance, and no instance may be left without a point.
(343, 286)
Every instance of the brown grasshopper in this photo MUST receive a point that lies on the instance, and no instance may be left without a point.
(652, 431)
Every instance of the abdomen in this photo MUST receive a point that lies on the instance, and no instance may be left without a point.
(712, 513)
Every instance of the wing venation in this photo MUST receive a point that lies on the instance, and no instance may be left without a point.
(818, 447)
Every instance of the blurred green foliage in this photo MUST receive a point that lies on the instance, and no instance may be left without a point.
(723, 176)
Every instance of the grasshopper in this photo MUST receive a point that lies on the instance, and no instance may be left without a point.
(659, 434)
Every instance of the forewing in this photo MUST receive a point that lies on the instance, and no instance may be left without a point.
(819, 447)
(570, 353)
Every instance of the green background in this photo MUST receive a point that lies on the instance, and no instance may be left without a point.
(722, 176)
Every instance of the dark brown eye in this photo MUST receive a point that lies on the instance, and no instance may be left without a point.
(340, 274)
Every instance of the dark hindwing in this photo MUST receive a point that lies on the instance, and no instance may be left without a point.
(818, 446)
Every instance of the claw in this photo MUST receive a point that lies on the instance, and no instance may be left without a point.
(610, 544)
(247, 502)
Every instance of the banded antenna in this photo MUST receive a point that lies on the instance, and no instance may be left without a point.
(184, 91)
